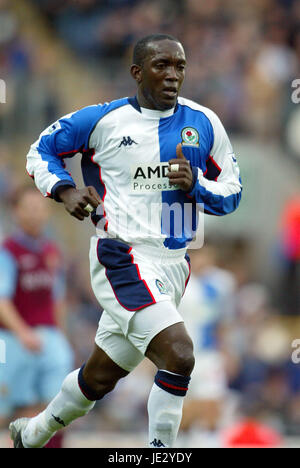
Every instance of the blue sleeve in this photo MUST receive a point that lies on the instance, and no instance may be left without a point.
(8, 275)
(219, 188)
(217, 204)
(63, 139)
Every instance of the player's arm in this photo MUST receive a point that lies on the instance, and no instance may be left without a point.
(9, 316)
(221, 195)
(45, 160)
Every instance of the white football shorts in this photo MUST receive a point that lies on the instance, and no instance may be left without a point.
(139, 289)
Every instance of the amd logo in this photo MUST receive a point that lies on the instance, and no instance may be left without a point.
(147, 178)
(149, 172)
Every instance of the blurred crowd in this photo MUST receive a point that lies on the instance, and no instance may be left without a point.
(242, 57)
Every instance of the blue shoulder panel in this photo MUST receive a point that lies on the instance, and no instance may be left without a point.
(70, 135)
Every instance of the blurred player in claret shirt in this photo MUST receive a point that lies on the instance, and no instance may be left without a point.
(31, 309)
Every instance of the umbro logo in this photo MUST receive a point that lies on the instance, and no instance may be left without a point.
(127, 141)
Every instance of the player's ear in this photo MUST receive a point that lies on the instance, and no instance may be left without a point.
(136, 73)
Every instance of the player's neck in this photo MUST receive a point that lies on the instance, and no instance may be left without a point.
(151, 112)
(147, 104)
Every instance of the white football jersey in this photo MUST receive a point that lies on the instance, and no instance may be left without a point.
(125, 152)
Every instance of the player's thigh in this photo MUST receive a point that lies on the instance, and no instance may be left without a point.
(55, 362)
(115, 347)
(17, 375)
(158, 331)
(150, 322)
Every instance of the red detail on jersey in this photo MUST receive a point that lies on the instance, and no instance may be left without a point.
(33, 296)
(32, 176)
(70, 152)
(104, 194)
(79, 150)
(215, 164)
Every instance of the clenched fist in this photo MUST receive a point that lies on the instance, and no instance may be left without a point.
(184, 176)
(75, 200)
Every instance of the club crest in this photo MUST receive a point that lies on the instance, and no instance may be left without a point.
(161, 287)
(190, 136)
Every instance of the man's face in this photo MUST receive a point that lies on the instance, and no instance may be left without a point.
(161, 75)
(32, 213)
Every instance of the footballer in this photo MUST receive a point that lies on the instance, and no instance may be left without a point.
(150, 164)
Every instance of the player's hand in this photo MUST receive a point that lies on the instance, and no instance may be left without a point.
(75, 200)
(184, 176)
(30, 340)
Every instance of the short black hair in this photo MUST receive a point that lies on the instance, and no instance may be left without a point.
(140, 48)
